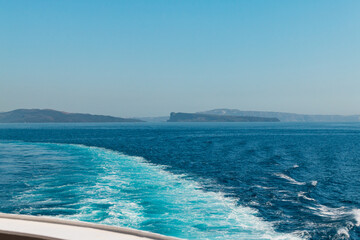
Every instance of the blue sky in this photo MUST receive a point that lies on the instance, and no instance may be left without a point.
(148, 58)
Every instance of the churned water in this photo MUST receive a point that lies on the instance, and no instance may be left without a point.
(194, 181)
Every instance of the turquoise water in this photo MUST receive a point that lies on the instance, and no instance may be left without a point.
(99, 185)
(227, 181)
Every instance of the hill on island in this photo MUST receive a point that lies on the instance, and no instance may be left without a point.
(285, 117)
(53, 116)
(198, 117)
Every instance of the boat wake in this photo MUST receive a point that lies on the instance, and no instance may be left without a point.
(103, 186)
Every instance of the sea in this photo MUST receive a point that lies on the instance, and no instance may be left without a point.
(188, 180)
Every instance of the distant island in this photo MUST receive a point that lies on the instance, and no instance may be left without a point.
(53, 116)
(199, 117)
(282, 116)
(285, 117)
(215, 115)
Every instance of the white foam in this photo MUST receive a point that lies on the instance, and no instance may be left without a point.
(314, 183)
(214, 202)
(302, 194)
(343, 232)
(290, 179)
(263, 187)
(356, 213)
(336, 213)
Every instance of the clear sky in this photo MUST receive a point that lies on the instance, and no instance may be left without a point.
(148, 58)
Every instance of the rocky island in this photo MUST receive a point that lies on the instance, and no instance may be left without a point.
(285, 117)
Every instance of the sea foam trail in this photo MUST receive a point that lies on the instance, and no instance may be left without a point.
(356, 213)
(290, 179)
(99, 185)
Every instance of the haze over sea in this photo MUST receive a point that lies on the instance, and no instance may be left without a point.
(195, 181)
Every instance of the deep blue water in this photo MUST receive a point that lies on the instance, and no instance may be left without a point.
(195, 181)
